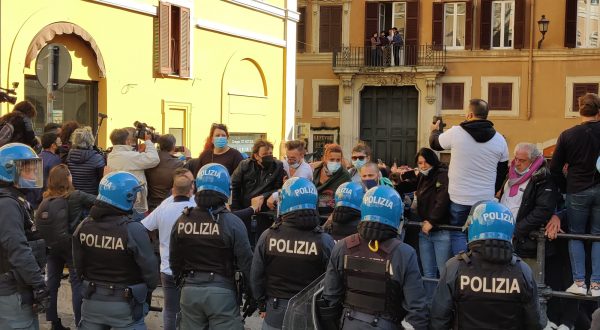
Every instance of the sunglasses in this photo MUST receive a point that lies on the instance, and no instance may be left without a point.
(359, 157)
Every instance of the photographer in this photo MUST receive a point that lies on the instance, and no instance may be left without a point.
(160, 178)
(21, 118)
(124, 158)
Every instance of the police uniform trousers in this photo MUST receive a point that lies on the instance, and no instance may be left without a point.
(355, 320)
(16, 315)
(106, 310)
(275, 309)
(209, 307)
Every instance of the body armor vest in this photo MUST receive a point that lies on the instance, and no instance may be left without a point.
(104, 245)
(200, 242)
(488, 291)
(293, 259)
(367, 276)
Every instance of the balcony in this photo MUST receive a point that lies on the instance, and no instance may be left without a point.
(411, 58)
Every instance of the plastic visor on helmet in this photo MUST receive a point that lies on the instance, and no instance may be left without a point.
(297, 194)
(349, 194)
(382, 204)
(490, 220)
(20, 165)
(598, 164)
(214, 177)
(119, 189)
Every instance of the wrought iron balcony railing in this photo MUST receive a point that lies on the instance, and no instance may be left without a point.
(390, 56)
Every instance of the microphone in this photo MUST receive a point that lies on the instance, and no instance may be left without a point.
(101, 115)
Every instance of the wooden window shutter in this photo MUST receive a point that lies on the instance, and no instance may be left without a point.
(437, 36)
(336, 28)
(580, 90)
(485, 26)
(571, 24)
(452, 96)
(412, 33)
(519, 30)
(469, 25)
(184, 42)
(371, 21)
(324, 29)
(328, 98)
(164, 37)
(301, 31)
(500, 96)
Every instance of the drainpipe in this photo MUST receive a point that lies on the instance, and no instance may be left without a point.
(530, 62)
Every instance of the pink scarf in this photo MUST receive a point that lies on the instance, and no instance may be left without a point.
(515, 179)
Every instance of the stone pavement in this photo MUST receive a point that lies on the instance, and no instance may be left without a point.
(153, 319)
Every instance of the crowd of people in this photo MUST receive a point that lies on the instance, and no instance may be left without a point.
(226, 228)
(387, 48)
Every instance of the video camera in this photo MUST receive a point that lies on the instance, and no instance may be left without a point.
(5, 94)
(141, 129)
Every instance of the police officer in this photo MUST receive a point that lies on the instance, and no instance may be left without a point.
(489, 287)
(208, 244)
(373, 275)
(22, 285)
(291, 254)
(346, 214)
(115, 259)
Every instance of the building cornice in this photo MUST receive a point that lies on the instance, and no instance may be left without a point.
(238, 32)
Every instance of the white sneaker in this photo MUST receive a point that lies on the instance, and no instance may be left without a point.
(563, 327)
(550, 326)
(578, 290)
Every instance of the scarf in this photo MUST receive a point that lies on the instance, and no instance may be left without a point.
(515, 179)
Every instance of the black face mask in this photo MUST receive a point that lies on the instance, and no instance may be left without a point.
(267, 161)
(344, 214)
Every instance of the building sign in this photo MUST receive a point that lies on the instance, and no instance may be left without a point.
(243, 142)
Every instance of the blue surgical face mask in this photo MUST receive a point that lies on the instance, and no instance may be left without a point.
(333, 166)
(370, 183)
(220, 141)
(27, 183)
(359, 163)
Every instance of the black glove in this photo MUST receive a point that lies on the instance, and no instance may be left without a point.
(250, 306)
(41, 300)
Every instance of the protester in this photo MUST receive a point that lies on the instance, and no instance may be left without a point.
(50, 144)
(56, 218)
(328, 176)
(531, 196)
(478, 167)
(217, 151)
(85, 163)
(578, 147)
(66, 131)
(124, 158)
(21, 119)
(361, 154)
(294, 166)
(162, 219)
(160, 178)
(53, 128)
(370, 176)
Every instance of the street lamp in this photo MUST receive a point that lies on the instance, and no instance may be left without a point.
(543, 26)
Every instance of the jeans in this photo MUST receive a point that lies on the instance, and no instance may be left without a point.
(583, 209)
(171, 295)
(458, 216)
(15, 315)
(55, 263)
(435, 249)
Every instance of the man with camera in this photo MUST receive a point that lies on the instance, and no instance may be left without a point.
(123, 157)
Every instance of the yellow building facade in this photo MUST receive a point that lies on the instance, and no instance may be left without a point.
(453, 51)
(177, 65)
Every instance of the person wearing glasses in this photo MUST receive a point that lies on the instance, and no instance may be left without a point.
(361, 154)
(217, 151)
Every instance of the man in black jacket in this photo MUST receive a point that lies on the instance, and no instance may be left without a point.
(531, 195)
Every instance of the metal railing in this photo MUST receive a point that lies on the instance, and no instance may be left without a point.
(389, 56)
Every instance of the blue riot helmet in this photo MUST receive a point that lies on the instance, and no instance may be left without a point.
(490, 220)
(297, 194)
(214, 177)
(119, 189)
(349, 194)
(20, 165)
(382, 204)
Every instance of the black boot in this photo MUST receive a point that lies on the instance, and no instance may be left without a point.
(57, 325)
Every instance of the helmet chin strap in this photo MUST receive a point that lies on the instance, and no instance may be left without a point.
(374, 247)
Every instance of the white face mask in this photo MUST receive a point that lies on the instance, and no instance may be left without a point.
(524, 171)
(333, 166)
(425, 172)
(295, 166)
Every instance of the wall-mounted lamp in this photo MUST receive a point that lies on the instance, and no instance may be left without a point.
(543, 26)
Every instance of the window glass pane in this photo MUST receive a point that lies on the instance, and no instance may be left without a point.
(496, 23)
(508, 17)
(449, 25)
(399, 18)
(582, 19)
(460, 25)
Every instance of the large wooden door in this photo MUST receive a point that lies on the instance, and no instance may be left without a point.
(388, 123)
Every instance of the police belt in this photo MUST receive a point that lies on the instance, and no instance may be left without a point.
(373, 320)
(194, 277)
(107, 291)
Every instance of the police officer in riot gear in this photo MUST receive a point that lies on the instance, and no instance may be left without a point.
(115, 259)
(291, 254)
(372, 275)
(208, 244)
(346, 214)
(489, 287)
(23, 291)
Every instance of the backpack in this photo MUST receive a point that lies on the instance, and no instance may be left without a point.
(52, 221)
(6, 132)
